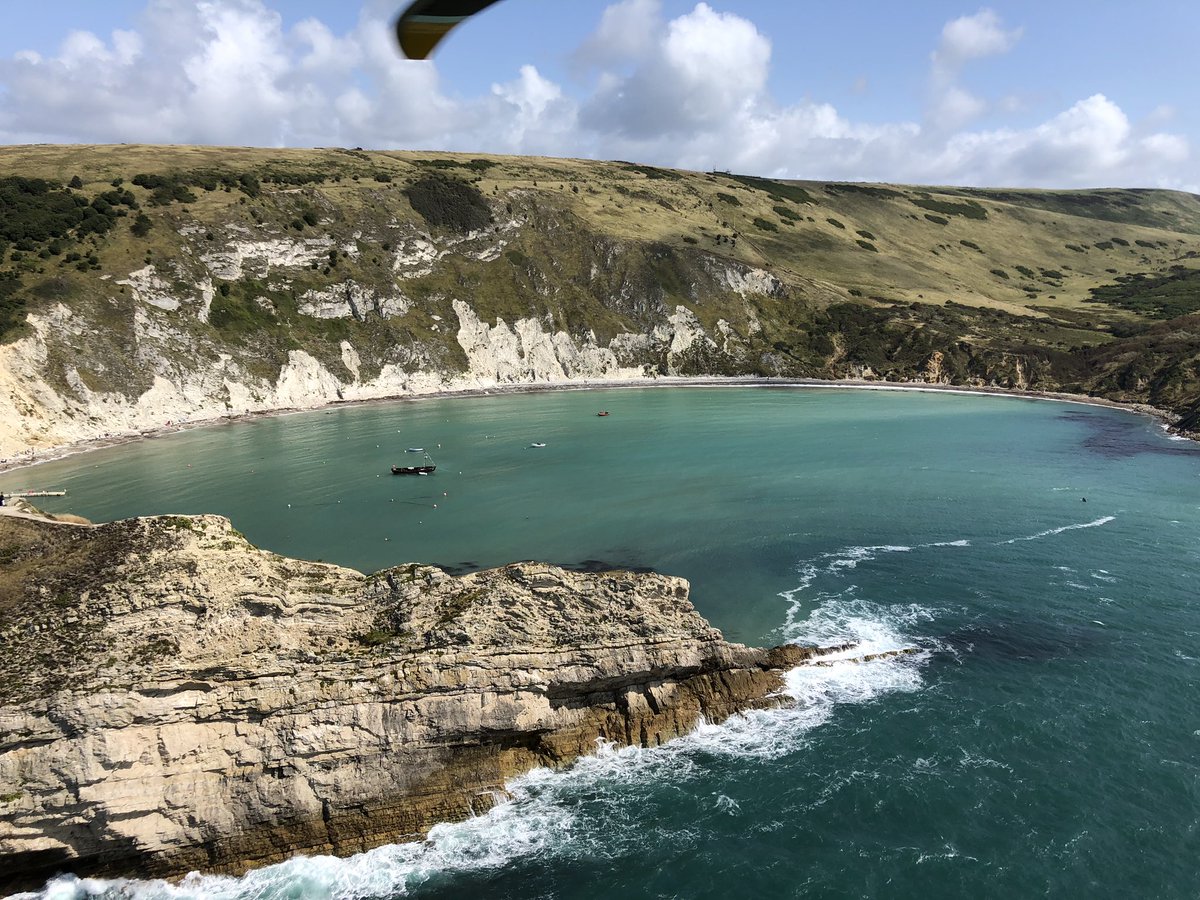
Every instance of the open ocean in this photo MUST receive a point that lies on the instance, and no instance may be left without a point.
(1045, 742)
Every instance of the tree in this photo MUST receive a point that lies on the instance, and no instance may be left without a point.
(142, 225)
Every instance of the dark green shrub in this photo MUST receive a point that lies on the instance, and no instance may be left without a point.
(968, 210)
(866, 190)
(449, 204)
(12, 303)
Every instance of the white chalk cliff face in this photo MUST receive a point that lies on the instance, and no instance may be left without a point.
(211, 705)
(185, 373)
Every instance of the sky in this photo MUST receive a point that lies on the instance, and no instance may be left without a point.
(1052, 93)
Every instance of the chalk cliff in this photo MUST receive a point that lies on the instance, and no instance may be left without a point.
(173, 698)
(215, 283)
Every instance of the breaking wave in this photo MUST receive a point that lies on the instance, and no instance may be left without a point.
(1103, 520)
(590, 809)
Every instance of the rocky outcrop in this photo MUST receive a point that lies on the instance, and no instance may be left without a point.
(174, 698)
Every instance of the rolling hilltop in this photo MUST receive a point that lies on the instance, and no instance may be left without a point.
(143, 284)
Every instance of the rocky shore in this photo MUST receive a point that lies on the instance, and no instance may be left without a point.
(173, 698)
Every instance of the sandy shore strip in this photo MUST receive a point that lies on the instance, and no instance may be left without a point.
(35, 457)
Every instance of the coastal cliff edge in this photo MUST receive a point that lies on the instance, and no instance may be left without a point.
(173, 698)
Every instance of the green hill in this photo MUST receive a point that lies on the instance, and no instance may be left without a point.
(125, 265)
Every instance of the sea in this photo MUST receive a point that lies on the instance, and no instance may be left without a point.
(1043, 557)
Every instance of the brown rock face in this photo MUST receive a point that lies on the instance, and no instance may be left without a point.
(172, 698)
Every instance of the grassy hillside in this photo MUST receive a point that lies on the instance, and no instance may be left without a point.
(1083, 290)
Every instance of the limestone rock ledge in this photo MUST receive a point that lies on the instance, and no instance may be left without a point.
(174, 698)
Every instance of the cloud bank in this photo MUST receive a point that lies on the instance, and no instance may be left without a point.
(690, 92)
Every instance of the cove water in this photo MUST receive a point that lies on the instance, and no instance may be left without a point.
(1042, 556)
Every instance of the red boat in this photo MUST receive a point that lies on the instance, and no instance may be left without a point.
(603, 412)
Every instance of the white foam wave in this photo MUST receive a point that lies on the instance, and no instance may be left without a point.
(546, 818)
(847, 559)
(541, 819)
(510, 830)
(1103, 520)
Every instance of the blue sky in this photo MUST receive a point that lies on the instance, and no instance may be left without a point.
(1052, 94)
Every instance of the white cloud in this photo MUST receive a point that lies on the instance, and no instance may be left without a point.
(973, 37)
(699, 71)
(689, 92)
(626, 32)
(964, 39)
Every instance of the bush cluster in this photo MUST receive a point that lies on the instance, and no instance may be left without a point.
(968, 209)
(449, 204)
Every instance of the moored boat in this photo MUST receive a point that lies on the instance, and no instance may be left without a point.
(425, 468)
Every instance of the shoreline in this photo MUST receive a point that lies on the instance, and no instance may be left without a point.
(34, 458)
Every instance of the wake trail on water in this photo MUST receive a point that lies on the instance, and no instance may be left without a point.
(1050, 532)
(595, 809)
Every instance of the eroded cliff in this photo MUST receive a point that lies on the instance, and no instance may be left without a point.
(174, 698)
(192, 283)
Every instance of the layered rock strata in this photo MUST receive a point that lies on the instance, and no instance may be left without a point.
(174, 698)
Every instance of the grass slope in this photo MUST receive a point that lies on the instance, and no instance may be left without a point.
(875, 276)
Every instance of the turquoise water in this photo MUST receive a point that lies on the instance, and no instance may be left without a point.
(1046, 741)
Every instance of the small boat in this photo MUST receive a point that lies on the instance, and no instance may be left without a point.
(603, 412)
(415, 450)
(535, 444)
(427, 468)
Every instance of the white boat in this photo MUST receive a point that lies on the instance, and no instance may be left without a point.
(415, 450)
(535, 444)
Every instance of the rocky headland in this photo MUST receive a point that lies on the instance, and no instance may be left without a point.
(173, 698)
